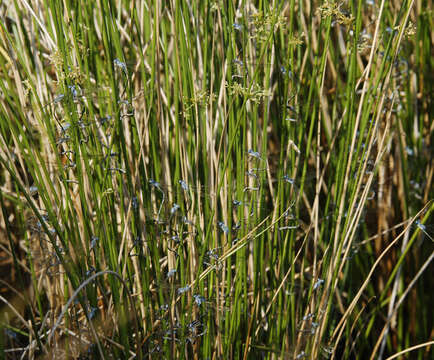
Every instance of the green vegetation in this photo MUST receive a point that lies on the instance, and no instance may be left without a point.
(216, 179)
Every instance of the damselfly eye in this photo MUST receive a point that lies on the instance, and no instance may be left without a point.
(174, 208)
(199, 299)
(120, 64)
(254, 154)
(223, 227)
(183, 290)
(183, 185)
(171, 273)
(318, 283)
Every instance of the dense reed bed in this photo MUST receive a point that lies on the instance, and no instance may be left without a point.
(216, 179)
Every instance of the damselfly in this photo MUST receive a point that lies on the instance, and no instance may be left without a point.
(99, 97)
(243, 66)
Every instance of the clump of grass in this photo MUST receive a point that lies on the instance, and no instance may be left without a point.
(202, 179)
